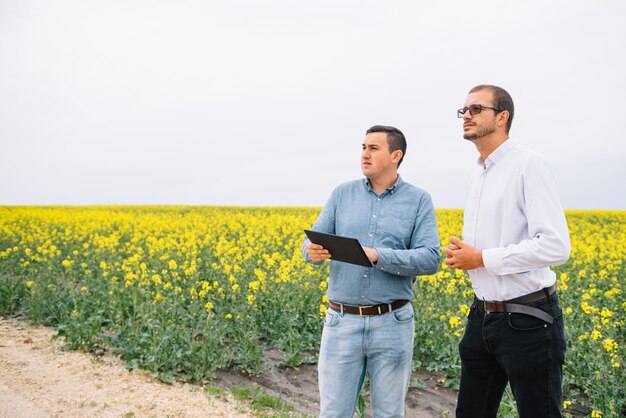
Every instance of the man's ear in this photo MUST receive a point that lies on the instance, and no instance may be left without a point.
(503, 118)
(396, 155)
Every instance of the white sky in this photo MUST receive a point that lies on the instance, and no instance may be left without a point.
(267, 103)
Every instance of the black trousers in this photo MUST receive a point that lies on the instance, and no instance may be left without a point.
(527, 352)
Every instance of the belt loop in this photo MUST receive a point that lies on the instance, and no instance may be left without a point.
(390, 308)
(546, 291)
(341, 309)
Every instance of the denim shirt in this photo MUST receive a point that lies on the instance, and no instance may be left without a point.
(400, 223)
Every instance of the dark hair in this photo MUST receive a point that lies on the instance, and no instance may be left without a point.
(501, 100)
(395, 138)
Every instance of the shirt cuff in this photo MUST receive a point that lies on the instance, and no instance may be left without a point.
(492, 260)
(383, 264)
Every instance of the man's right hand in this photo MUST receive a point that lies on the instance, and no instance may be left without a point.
(317, 252)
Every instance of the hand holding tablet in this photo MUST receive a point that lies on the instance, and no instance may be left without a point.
(345, 249)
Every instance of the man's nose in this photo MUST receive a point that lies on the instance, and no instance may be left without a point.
(467, 115)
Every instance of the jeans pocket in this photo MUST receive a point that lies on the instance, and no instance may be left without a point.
(523, 322)
(403, 315)
(331, 319)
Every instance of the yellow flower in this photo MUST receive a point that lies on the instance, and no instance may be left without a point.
(569, 310)
(454, 321)
(595, 334)
(29, 284)
(606, 313)
(323, 309)
(465, 310)
(250, 299)
(566, 404)
(208, 306)
(609, 345)
(596, 414)
(83, 289)
(228, 316)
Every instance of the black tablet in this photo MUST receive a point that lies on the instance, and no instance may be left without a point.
(345, 249)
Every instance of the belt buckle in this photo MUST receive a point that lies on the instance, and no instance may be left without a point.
(364, 307)
(495, 304)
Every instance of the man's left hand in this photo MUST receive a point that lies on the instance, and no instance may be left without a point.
(371, 253)
(460, 255)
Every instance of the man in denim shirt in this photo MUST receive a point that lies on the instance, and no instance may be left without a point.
(369, 324)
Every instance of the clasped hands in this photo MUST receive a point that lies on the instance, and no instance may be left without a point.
(460, 255)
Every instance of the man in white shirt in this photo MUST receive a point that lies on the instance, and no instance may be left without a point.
(514, 229)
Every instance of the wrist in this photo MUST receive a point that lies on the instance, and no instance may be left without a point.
(479, 259)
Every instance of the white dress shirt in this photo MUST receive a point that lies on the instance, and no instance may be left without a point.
(514, 215)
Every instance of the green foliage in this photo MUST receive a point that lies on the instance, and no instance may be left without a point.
(13, 292)
(261, 402)
(186, 291)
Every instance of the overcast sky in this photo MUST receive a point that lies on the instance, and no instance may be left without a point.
(267, 102)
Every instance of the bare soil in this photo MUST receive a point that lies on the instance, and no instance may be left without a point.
(39, 379)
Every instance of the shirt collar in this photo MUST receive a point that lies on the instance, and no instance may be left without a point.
(391, 189)
(497, 155)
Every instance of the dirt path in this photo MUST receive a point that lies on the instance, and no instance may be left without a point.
(39, 379)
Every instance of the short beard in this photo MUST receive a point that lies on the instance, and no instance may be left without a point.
(480, 132)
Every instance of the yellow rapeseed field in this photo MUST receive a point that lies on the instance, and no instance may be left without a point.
(186, 291)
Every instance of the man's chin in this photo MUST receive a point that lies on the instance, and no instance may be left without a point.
(470, 137)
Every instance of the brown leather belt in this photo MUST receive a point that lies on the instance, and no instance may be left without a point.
(367, 310)
(518, 305)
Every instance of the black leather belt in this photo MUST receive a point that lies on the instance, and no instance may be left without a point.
(518, 305)
(368, 310)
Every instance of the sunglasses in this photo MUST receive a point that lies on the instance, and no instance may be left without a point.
(474, 110)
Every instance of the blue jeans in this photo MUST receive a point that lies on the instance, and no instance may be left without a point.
(381, 345)
(520, 349)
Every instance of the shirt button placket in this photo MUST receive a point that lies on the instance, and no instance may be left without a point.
(373, 222)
